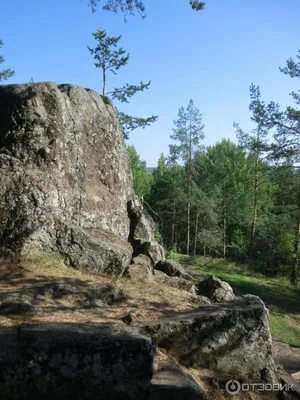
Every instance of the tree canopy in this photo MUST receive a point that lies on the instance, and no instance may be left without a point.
(5, 73)
(130, 7)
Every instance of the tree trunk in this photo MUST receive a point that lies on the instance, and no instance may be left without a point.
(188, 228)
(104, 83)
(255, 206)
(224, 220)
(224, 233)
(188, 222)
(196, 233)
(174, 227)
(204, 238)
(295, 266)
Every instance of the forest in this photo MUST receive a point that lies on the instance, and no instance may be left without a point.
(237, 201)
(233, 200)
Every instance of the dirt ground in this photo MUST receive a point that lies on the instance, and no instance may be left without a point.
(48, 291)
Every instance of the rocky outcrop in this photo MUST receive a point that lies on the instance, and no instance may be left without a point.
(215, 289)
(140, 268)
(142, 225)
(75, 362)
(232, 339)
(154, 251)
(65, 178)
(174, 281)
(171, 268)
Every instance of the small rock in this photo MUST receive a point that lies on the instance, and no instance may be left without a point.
(129, 318)
(215, 289)
(172, 269)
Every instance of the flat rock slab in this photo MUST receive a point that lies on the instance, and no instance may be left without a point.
(95, 250)
(231, 338)
(171, 382)
(75, 362)
(174, 281)
(286, 357)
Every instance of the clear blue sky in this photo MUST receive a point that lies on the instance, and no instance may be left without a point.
(211, 57)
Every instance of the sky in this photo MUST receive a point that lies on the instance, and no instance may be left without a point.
(211, 57)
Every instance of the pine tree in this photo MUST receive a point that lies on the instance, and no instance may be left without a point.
(167, 199)
(188, 132)
(5, 73)
(256, 144)
(142, 179)
(228, 179)
(130, 6)
(110, 58)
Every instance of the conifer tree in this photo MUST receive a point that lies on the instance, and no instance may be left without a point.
(130, 6)
(109, 58)
(256, 144)
(142, 179)
(5, 73)
(188, 132)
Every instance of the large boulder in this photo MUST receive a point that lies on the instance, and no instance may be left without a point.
(171, 268)
(232, 339)
(67, 361)
(97, 251)
(63, 163)
(156, 252)
(215, 289)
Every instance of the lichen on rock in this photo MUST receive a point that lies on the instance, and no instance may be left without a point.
(65, 176)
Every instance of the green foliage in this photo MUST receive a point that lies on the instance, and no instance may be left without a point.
(142, 179)
(286, 123)
(173, 255)
(5, 74)
(127, 91)
(168, 199)
(128, 7)
(107, 56)
(129, 122)
(188, 132)
(124, 6)
(197, 5)
(110, 58)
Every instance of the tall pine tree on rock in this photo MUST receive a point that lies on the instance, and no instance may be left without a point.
(109, 58)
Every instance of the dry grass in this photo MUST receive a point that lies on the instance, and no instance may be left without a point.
(147, 300)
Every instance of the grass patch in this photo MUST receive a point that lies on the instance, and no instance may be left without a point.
(51, 263)
(283, 327)
(282, 299)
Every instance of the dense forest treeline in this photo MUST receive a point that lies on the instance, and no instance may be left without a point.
(223, 203)
(239, 201)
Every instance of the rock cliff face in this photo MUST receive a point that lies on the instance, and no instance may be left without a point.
(64, 175)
